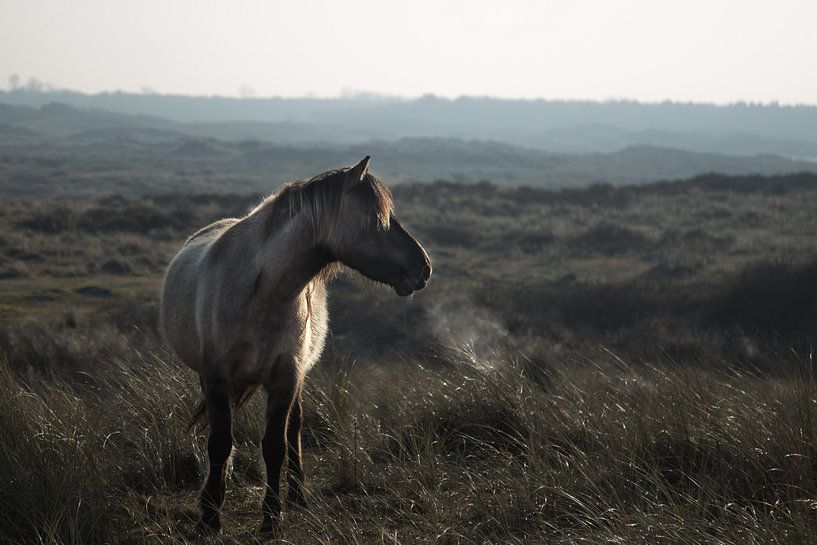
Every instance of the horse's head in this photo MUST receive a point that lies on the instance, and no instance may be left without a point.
(370, 239)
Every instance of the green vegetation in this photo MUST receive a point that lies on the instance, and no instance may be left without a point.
(611, 364)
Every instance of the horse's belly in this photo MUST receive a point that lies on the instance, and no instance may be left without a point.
(177, 311)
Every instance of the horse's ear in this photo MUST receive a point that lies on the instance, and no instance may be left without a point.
(356, 173)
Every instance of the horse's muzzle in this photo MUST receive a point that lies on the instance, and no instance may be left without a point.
(415, 282)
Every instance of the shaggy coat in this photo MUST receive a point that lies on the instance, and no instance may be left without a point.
(244, 304)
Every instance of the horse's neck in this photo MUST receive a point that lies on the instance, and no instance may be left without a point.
(287, 259)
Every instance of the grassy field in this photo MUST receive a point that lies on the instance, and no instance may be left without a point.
(606, 365)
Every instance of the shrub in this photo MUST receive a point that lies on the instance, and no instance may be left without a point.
(609, 239)
(49, 219)
(773, 299)
(134, 218)
(452, 235)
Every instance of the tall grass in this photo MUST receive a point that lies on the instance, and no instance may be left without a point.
(77, 453)
(484, 448)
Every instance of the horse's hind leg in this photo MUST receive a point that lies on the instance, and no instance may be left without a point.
(295, 468)
(219, 447)
(281, 392)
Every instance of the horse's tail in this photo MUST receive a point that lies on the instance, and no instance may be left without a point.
(198, 421)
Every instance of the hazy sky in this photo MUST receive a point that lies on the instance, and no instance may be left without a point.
(709, 50)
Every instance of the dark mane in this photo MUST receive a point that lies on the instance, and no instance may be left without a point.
(323, 197)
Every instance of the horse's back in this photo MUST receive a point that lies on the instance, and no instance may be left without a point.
(177, 317)
(210, 232)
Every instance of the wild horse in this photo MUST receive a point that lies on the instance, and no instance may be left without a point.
(244, 304)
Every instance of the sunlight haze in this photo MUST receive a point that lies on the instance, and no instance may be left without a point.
(703, 51)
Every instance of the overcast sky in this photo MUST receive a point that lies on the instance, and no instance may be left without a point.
(699, 50)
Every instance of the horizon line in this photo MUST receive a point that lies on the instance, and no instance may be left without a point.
(354, 94)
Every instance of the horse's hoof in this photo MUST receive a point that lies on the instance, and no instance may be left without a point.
(296, 503)
(209, 525)
(204, 530)
(271, 526)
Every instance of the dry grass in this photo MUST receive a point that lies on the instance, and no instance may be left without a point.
(486, 448)
(604, 366)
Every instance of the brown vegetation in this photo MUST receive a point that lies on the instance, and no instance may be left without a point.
(605, 365)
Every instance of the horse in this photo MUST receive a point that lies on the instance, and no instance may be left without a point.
(244, 305)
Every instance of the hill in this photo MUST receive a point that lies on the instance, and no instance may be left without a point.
(66, 152)
(555, 126)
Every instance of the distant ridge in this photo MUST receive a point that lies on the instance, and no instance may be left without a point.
(552, 125)
(65, 152)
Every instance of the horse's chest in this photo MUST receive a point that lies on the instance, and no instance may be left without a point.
(299, 338)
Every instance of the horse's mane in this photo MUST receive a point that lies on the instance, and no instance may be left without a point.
(323, 197)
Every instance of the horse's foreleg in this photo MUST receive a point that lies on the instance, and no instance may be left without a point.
(280, 394)
(295, 469)
(219, 446)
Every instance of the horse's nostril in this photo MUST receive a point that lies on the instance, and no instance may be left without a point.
(425, 274)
